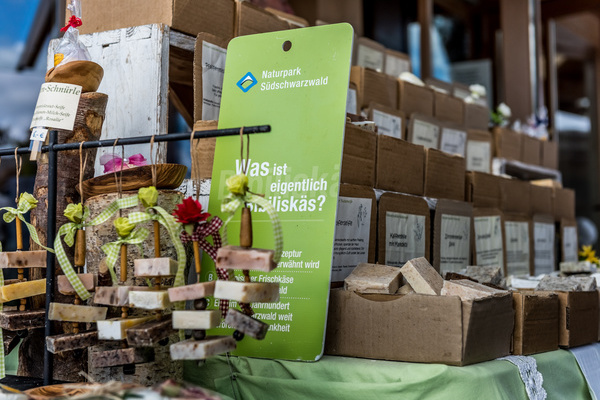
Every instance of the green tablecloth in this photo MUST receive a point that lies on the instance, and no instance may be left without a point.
(354, 378)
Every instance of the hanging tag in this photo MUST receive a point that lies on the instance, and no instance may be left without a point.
(37, 138)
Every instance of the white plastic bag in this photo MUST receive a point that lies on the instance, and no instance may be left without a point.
(70, 48)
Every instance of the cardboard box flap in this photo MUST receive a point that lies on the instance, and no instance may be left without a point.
(581, 319)
(395, 155)
(485, 322)
(536, 322)
(358, 159)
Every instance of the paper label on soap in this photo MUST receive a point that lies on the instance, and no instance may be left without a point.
(425, 134)
(56, 106)
(569, 244)
(351, 102)
(404, 238)
(453, 141)
(543, 250)
(369, 57)
(388, 124)
(454, 243)
(213, 68)
(488, 242)
(352, 235)
(395, 66)
(478, 156)
(517, 247)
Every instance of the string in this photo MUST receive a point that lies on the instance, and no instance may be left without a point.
(19, 164)
(152, 163)
(117, 181)
(244, 164)
(194, 174)
(82, 164)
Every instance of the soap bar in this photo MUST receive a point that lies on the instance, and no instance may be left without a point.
(588, 283)
(246, 324)
(247, 292)
(202, 349)
(71, 341)
(580, 267)
(149, 299)
(192, 292)
(111, 358)
(117, 296)
(22, 290)
(23, 259)
(150, 333)
(468, 290)
(115, 328)
(206, 319)
(422, 277)
(235, 257)
(64, 286)
(491, 275)
(150, 267)
(405, 289)
(76, 313)
(21, 320)
(560, 284)
(373, 278)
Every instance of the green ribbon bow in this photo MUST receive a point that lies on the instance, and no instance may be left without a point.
(237, 198)
(26, 202)
(112, 249)
(2, 362)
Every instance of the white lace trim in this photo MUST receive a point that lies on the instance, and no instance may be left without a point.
(531, 377)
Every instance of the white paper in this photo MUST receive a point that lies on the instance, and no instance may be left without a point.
(453, 141)
(588, 358)
(56, 106)
(461, 93)
(388, 124)
(569, 244)
(213, 68)
(352, 234)
(351, 102)
(404, 238)
(394, 66)
(488, 242)
(455, 242)
(479, 156)
(369, 57)
(39, 134)
(517, 247)
(543, 242)
(425, 134)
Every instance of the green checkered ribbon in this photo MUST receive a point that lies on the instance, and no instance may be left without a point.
(2, 363)
(237, 198)
(112, 249)
(26, 203)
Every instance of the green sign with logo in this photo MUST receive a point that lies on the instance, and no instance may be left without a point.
(297, 82)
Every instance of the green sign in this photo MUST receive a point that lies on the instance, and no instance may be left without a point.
(297, 82)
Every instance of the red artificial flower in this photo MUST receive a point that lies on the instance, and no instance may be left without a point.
(190, 212)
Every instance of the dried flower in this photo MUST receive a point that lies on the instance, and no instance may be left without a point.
(148, 196)
(26, 197)
(123, 226)
(237, 184)
(74, 213)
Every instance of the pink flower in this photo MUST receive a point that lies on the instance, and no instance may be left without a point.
(137, 160)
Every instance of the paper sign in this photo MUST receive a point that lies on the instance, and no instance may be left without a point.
(395, 66)
(479, 154)
(352, 234)
(543, 242)
(588, 359)
(302, 94)
(517, 247)
(454, 243)
(369, 57)
(56, 106)
(213, 67)
(39, 134)
(404, 238)
(388, 124)
(569, 244)
(351, 102)
(488, 242)
(425, 134)
(453, 141)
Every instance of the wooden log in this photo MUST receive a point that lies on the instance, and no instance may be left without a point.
(70, 342)
(149, 333)
(111, 358)
(23, 259)
(19, 320)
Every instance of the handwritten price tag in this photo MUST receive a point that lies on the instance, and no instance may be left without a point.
(39, 134)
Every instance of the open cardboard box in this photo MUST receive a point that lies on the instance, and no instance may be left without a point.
(536, 322)
(419, 328)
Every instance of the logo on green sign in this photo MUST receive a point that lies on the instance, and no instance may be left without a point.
(247, 82)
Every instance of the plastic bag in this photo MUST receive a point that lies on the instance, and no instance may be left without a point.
(70, 48)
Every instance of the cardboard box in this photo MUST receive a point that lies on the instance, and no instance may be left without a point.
(423, 130)
(483, 190)
(531, 150)
(507, 143)
(440, 86)
(204, 151)
(448, 108)
(551, 183)
(209, 68)
(544, 244)
(414, 99)
(542, 200)
(400, 166)
(251, 19)
(479, 151)
(549, 154)
(568, 240)
(452, 225)
(369, 54)
(516, 196)
(292, 20)
(331, 11)
(564, 204)
(396, 63)
(476, 116)
(536, 322)
(358, 157)
(419, 328)
(355, 230)
(389, 121)
(403, 229)
(461, 91)
(578, 318)
(488, 238)
(444, 175)
(518, 244)
(191, 17)
(374, 87)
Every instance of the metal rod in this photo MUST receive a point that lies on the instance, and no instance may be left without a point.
(141, 139)
(50, 231)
